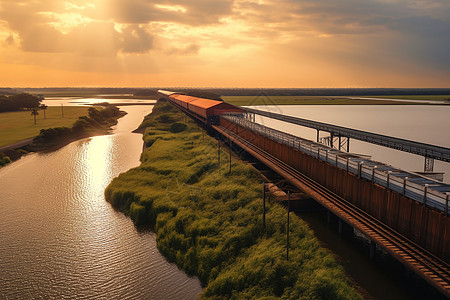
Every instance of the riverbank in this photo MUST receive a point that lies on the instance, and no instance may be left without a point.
(19, 126)
(97, 122)
(209, 222)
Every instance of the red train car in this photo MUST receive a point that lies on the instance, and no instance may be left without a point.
(207, 108)
(182, 100)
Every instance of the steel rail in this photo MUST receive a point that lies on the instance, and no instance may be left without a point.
(432, 269)
(422, 149)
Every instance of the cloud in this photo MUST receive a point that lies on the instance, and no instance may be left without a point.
(417, 30)
(136, 39)
(191, 12)
(47, 29)
(189, 49)
(9, 40)
(378, 36)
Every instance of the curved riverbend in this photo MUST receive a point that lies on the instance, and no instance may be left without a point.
(59, 237)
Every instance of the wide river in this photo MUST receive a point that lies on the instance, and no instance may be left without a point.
(422, 123)
(60, 239)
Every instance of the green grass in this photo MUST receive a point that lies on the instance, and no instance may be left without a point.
(17, 126)
(209, 223)
(414, 97)
(303, 100)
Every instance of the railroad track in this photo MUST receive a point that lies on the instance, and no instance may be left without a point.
(434, 270)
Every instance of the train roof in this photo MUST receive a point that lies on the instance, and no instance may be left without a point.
(184, 98)
(167, 93)
(205, 103)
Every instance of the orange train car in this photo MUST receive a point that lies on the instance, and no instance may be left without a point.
(206, 110)
(182, 100)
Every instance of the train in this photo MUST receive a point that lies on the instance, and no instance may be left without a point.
(205, 110)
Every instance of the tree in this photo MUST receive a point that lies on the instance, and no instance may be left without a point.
(25, 100)
(34, 113)
(43, 107)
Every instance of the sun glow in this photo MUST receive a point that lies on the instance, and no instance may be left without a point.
(65, 22)
(224, 42)
(70, 6)
(175, 8)
(98, 162)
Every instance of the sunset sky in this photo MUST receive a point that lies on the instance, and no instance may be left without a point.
(225, 43)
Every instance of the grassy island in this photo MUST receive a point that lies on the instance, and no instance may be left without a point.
(209, 223)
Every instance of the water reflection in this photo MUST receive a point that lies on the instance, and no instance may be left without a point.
(98, 163)
(59, 237)
(76, 101)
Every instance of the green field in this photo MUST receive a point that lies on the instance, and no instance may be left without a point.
(414, 97)
(18, 126)
(304, 100)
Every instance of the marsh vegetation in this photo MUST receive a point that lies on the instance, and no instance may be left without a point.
(209, 222)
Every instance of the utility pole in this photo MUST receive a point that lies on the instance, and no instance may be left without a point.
(218, 152)
(62, 110)
(231, 145)
(264, 204)
(287, 229)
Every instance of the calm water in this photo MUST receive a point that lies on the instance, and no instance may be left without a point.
(60, 239)
(422, 123)
(76, 101)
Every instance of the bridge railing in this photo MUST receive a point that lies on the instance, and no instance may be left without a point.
(426, 150)
(411, 185)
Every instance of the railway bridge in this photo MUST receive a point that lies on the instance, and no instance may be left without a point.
(403, 213)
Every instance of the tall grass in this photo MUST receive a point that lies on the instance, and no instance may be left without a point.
(209, 222)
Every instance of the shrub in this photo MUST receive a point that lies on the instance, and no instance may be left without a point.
(166, 118)
(178, 127)
(4, 160)
(137, 213)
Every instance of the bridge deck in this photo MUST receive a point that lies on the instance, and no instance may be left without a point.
(414, 186)
(426, 150)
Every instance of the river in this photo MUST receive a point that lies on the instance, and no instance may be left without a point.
(60, 239)
(422, 123)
